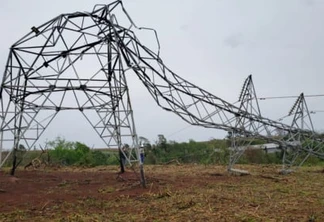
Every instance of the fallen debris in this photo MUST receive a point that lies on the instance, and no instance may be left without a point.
(285, 171)
(173, 161)
(216, 174)
(276, 179)
(239, 172)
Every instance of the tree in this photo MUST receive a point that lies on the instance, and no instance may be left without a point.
(162, 142)
(145, 142)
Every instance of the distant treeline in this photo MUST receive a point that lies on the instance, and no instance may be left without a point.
(65, 153)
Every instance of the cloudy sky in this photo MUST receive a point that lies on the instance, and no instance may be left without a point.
(214, 44)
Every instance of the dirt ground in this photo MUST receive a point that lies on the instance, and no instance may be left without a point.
(172, 193)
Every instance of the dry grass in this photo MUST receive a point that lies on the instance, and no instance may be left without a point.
(181, 193)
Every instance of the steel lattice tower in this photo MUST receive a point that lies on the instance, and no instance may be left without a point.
(72, 62)
(294, 156)
(248, 102)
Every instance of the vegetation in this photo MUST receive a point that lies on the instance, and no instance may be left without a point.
(66, 153)
(211, 152)
(76, 153)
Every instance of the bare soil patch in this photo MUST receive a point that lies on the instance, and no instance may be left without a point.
(173, 193)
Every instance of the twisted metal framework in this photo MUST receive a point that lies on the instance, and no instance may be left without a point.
(44, 68)
(199, 107)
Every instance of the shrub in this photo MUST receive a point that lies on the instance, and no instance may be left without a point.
(99, 158)
(75, 153)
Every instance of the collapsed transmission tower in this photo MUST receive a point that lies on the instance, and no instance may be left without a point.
(292, 155)
(72, 62)
(87, 57)
(301, 119)
(249, 104)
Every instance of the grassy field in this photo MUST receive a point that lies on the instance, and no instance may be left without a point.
(173, 193)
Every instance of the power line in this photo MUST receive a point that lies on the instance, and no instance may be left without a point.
(289, 97)
(316, 111)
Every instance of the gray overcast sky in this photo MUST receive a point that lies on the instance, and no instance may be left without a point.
(214, 44)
